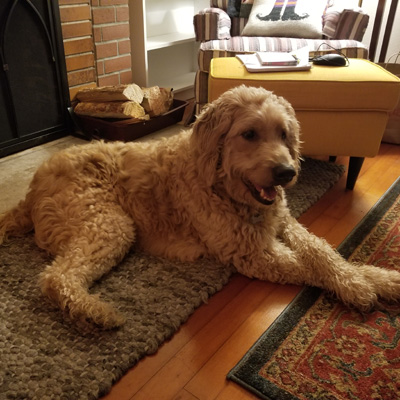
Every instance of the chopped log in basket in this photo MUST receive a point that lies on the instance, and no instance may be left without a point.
(156, 100)
(127, 109)
(104, 94)
(124, 101)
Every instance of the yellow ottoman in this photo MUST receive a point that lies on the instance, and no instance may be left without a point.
(342, 111)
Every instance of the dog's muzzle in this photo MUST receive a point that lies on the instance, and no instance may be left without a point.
(282, 175)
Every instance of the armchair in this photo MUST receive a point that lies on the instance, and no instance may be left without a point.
(220, 35)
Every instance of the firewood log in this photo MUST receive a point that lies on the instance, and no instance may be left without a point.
(103, 94)
(156, 100)
(128, 109)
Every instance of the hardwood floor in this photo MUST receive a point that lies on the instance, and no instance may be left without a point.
(194, 363)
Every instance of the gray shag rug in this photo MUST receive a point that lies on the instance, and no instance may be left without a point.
(44, 356)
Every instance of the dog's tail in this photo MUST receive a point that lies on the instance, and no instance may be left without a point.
(16, 222)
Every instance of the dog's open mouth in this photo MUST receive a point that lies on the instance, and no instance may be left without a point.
(264, 195)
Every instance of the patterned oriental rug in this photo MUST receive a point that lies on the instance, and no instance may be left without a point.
(319, 349)
(44, 356)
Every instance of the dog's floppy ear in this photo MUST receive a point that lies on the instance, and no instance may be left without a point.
(294, 127)
(208, 135)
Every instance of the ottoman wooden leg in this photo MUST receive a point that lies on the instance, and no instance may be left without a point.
(355, 165)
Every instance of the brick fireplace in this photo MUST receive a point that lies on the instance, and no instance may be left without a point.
(96, 42)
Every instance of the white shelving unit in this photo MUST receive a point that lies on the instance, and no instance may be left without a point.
(164, 50)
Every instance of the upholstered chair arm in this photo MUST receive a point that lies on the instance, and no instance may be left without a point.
(345, 24)
(212, 24)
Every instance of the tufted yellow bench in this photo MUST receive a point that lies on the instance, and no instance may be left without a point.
(342, 111)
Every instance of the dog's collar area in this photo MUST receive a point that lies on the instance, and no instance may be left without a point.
(264, 195)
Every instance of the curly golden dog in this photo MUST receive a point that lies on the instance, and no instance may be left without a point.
(215, 192)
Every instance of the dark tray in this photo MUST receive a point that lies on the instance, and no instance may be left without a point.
(127, 129)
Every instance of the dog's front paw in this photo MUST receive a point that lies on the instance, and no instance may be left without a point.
(387, 285)
(369, 286)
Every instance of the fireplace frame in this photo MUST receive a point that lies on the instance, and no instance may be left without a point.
(51, 26)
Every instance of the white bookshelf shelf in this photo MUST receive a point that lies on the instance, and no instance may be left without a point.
(169, 39)
(178, 83)
(164, 50)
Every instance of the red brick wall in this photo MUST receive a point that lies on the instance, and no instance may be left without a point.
(112, 43)
(96, 42)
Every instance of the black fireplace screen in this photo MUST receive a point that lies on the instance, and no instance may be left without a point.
(34, 96)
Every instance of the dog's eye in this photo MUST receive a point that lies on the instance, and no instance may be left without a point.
(283, 134)
(249, 135)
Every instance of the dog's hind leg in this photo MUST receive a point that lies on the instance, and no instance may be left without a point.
(15, 222)
(86, 257)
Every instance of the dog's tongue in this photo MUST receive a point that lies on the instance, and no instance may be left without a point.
(267, 193)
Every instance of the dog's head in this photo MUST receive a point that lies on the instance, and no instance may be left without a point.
(248, 141)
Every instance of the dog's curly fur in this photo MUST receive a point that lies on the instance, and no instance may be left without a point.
(215, 192)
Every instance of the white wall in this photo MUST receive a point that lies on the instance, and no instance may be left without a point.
(370, 7)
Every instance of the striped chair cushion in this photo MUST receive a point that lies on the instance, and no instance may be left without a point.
(241, 44)
(222, 4)
(348, 24)
(212, 23)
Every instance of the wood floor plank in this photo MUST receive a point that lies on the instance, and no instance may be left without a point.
(184, 395)
(211, 378)
(232, 391)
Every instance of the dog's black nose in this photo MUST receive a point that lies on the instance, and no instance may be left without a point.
(283, 173)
